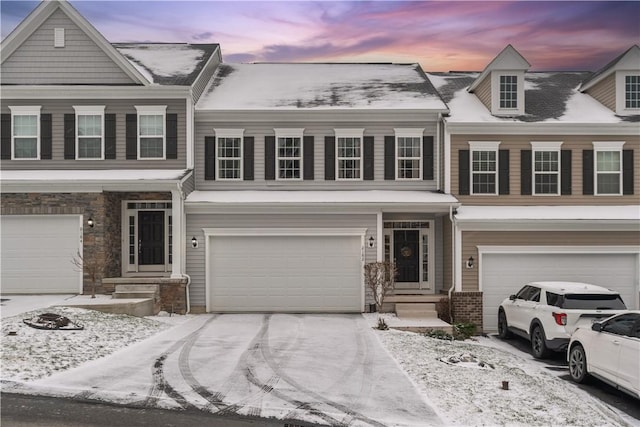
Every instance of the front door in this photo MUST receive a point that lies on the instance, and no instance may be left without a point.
(406, 251)
(151, 246)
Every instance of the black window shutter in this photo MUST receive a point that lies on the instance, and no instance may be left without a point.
(5, 137)
(329, 158)
(427, 157)
(463, 172)
(525, 173)
(109, 136)
(503, 171)
(269, 157)
(247, 155)
(308, 164)
(627, 172)
(209, 157)
(565, 172)
(389, 157)
(368, 157)
(69, 136)
(172, 136)
(587, 172)
(132, 136)
(46, 137)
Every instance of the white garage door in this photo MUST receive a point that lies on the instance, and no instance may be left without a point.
(37, 251)
(285, 273)
(505, 274)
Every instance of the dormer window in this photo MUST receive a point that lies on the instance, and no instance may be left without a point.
(508, 91)
(632, 91)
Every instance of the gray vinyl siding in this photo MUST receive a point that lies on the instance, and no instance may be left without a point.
(81, 61)
(196, 261)
(483, 92)
(188, 185)
(205, 76)
(318, 130)
(605, 92)
(121, 107)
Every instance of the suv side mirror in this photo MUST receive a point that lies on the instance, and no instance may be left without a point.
(596, 327)
(512, 297)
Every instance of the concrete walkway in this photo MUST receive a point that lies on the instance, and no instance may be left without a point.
(327, 369)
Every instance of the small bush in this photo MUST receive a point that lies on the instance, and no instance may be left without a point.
(464, 330)
(439, 334)
(382, 325)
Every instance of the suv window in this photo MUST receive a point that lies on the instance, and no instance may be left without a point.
(621, 325)
(534, 295)
(553, 299)
(522, 293)
(590, 302)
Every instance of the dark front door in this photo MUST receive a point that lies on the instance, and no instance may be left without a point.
(406, 253)
(151, 237)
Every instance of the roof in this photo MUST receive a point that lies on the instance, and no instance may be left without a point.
(168, 63)
(508, 59)
(604, 71)
(294, 86)
(548, 213)
(301, 198)
(550, 97)
(564, 288)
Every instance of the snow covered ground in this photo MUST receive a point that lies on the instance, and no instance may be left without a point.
(462, 381)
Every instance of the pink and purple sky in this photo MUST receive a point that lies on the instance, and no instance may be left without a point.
(440, 35)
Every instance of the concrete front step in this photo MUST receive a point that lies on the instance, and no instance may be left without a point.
(416, 310)
(137, 288)
(132, 294)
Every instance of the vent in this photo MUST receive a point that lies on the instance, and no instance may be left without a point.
(58, 37)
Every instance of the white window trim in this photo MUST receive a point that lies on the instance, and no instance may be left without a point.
(545, 146)
(152, 110)
(230, 133)
(495, 93)
(58, 37)
(289, 133)
(24, 110)
(349, 133)
(408, 133)
(483, 146)
(621, 108)
(603, 146)
(90, 110)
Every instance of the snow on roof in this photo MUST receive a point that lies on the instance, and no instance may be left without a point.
(93, 175)
(548, 213)
(320, 86)
(167, 63)
(550, 97)
(313, 197)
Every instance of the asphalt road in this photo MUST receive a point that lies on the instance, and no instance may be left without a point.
(38, 411)
(609, 395)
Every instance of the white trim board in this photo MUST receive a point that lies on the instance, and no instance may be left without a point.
(284, 231)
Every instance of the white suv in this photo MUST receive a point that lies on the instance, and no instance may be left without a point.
(547, 313)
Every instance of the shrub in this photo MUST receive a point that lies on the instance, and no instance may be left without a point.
(382, 325)
(464, 330)
(380, 277)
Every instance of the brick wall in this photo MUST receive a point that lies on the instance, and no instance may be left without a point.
(467, 308)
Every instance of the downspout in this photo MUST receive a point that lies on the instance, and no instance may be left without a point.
(183, 244)
(188, 299)
(453, 260)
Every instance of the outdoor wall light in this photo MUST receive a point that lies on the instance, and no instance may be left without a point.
(371, 241)
(90, 222)
(470, 262)
(194, 242)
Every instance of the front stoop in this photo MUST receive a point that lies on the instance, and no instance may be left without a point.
(138, 307)
(152, 292)
(168, 294)
(416, 310)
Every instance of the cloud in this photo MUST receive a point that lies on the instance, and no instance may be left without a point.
(207, 35)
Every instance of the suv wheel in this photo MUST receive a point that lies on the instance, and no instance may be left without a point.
(538, 346)
(577, 364)
(503, 327)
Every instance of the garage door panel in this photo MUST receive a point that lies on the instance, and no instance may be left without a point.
(37, 254)
(285, 273)
(505, 274)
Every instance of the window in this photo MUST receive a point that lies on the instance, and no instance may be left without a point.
(632, 91)
(484, 171)
(25, 132)
(608, 167)
(89, 132)
(289, 154)
(349, 153)
(622, 325)
(508, 91)
(409, 153)
(151, 132)
(546, 167)
(229, 154)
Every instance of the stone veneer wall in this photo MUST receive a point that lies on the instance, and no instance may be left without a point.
(467, 308)
(103, 240)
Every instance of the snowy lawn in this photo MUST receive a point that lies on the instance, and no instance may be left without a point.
(34, 353)
(464, 381)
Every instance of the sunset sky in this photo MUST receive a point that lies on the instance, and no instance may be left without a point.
(440, 35)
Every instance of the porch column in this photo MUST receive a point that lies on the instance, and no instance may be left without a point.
(177, 232)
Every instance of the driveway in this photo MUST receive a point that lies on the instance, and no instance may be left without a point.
(327, 369)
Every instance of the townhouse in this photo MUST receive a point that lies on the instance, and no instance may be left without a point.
(267, 187)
